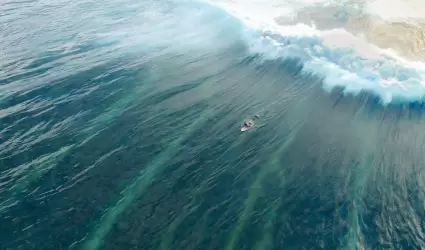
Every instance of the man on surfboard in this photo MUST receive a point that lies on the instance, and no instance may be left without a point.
(248, 124)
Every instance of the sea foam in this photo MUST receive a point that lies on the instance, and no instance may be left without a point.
(343, 59)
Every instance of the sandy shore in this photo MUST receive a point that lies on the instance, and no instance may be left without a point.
(407, 39)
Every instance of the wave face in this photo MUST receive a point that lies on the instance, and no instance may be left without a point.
(119, 127)
(349, 44)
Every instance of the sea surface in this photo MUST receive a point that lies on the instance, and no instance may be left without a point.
(120, 125)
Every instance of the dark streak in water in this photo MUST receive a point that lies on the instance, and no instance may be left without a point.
(123, 132)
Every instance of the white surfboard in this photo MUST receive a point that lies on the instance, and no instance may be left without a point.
(245, 128)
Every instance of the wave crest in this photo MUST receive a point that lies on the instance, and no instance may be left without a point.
(342, 58)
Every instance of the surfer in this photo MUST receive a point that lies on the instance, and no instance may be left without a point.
(248, 124)
(251, 121)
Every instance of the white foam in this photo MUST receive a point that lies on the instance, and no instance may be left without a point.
(397, 9)
(344, 59)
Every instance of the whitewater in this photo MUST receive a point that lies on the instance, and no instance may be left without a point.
(120, 125)
(344, 59)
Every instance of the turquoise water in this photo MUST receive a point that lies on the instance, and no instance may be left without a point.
(120, 130)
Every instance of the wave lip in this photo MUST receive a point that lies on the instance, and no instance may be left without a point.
(330, 41)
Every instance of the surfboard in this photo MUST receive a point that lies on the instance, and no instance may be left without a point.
(245, 127)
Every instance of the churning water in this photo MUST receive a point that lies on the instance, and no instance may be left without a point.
(119, 125)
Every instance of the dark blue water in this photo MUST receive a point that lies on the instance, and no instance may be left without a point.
(120, 130)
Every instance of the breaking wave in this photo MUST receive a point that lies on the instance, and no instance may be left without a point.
(342, 58)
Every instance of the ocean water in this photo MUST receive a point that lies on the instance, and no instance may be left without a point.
(119, 129)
